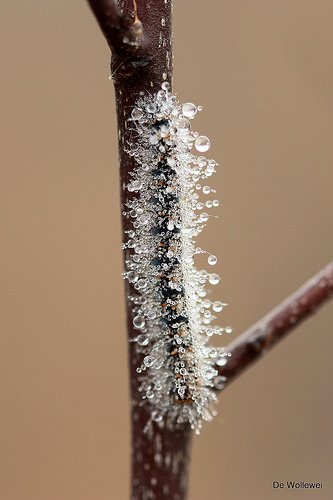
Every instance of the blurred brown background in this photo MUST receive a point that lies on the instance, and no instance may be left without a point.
(263, 72)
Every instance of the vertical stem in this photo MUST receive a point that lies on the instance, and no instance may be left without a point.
(160, 458)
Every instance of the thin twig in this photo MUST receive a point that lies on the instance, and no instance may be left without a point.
(122, 32)
(261, 337)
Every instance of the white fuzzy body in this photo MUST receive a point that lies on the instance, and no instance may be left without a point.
(171, 312)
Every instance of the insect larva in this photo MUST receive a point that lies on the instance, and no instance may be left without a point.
(171, 311)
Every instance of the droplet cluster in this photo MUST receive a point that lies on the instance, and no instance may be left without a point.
(171, 310)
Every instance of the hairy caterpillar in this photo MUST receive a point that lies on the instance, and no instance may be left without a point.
(170, 308)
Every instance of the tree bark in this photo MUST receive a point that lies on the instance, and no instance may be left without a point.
(160, 457)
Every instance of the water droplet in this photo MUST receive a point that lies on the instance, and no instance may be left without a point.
(143, 219)
(165, 86)
(217, 306)
(132, 276)
(221, 361)
(189, 110)
(139, 322)
(214, 279)
(212, 260)
(216, 203)
(206, 189)
(202, 143)
(202, 161)
(148, 361)
(142, 339)
(134, 186)
(137, 113)
(219, 382)
(161, 94)
(151, 108)
(228, 329)
(184, 126)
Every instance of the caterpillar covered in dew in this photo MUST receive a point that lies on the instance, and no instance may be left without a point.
(171, 311)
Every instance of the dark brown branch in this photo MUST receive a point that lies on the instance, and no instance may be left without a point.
(160, 460)
(122, 32)
(261, 337)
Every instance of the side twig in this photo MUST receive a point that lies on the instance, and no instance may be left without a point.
(267, 332)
